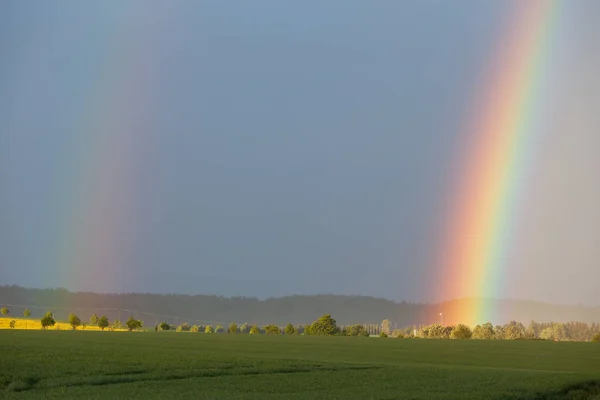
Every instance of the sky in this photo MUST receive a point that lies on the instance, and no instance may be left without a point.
(272, 148)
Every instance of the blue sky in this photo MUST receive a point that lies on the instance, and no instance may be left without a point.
(265, 148)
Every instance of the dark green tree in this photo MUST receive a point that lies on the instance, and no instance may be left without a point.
(324, 326)
(74, 321)
(48, 320)
(163, 326)
(133, 324)
(103, 322)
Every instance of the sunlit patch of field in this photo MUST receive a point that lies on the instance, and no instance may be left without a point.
(35, 324)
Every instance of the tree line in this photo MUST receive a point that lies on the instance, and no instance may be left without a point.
(326, 325)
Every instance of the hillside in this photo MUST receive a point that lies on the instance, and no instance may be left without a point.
(295, 309)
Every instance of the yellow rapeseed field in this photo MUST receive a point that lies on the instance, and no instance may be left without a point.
(35, 324)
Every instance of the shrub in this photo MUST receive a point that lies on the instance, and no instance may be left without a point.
(27, 313)
(12, 324)
(103, 322)
(383, 335)
(219, 329)
(47, 320)
(117, 324)
(208, 329)
(596, 338)
(74, 321)
(4, 311)
(233, 328)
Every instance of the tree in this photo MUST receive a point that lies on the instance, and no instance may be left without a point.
(386, 327)
(233, 328)
(219, 329)
(94, 319)
(4, 311)
(133, 324)
(254, 330)
(245, 328)
(547, 333)
(185, 327)
(117, 324)
(27, 313)
(208, 329)
(513, 332)
(596, 338)
(271, 329)
(290, 330)
(560, 332)
(195, 328)
(355, 330)
(324, 326)
(47, 320)
(485, 331)
(12, 324)
(163, 326)
(74, 321)
(461, 331)
(103, 322)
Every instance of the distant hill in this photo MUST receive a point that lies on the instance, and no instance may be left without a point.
(175, 308)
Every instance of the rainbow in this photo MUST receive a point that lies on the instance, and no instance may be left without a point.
(110, 147)
(483, 215)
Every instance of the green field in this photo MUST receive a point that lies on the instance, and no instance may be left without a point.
(63, 364)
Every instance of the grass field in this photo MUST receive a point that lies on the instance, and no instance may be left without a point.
(67, 364)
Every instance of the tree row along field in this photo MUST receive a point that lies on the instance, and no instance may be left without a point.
(67, 364)
(325, 326)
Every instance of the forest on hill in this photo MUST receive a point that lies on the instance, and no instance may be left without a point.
(298, 309)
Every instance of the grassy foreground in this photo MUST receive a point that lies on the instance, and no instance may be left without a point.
(67, 364)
